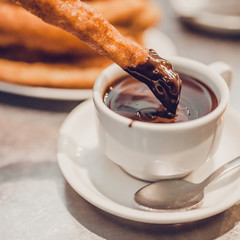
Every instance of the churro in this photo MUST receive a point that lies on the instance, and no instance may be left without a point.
(76, 75)
(86, 23)
(81, 20)
(19, 27)
(43, 55)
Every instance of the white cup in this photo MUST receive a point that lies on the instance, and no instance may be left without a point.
(153, 151)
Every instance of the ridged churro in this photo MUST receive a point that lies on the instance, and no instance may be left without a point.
(35, 53)
(89, 25)
(19, 27)
(77, 75)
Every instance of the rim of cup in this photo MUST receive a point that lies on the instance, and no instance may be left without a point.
(186, 65)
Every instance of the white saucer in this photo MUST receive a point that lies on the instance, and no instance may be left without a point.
(223, 17)
(153, 38)
(106, 186)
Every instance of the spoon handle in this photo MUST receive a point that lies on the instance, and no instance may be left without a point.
(222, 170)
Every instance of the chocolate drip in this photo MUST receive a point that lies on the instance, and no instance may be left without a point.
(158, 74)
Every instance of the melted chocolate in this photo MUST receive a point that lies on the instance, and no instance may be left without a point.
(133, 99)
(158, 74)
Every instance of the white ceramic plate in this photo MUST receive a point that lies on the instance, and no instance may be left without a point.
(218, 16)
(106, 186)
(153, 38)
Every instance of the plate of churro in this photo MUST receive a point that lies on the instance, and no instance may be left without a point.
(40, 60)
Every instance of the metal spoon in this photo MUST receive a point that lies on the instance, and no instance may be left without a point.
(178, 194)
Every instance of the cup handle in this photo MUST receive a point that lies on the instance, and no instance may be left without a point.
(224, 70)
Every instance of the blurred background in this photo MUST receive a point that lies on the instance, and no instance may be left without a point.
(205, 42)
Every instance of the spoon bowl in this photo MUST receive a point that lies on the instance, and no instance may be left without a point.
(178, 194)
(169, 195)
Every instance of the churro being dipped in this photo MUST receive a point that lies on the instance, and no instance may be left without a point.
(86, 23)
(20, 28)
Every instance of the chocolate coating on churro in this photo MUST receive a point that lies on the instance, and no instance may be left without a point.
(160, 77)
(86, 23)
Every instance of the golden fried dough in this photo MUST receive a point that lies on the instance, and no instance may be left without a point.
(89, 25)
(79, 75)
(29, 31)
(38, 54)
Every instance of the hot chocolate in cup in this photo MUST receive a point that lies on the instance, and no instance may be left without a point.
(152, 151)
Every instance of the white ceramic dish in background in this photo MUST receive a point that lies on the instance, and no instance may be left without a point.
(153, 38)
(105, 185)
(218, 16)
